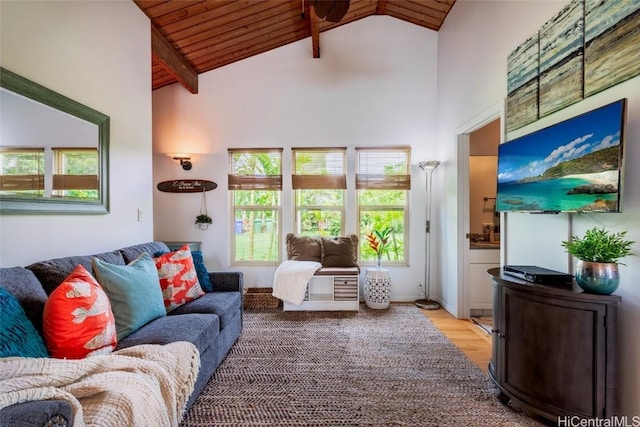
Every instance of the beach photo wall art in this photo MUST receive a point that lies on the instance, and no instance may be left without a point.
(572, 166)
(612, 33)
(589, 46)
(522, 83)
(561, 60)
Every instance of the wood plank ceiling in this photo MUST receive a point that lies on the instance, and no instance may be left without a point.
(190, 37)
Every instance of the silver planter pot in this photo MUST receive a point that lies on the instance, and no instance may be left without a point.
(597, 277)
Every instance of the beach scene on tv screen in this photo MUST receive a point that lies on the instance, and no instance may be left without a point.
(571, 166)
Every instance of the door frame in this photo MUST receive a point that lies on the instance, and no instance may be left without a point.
(496, 111)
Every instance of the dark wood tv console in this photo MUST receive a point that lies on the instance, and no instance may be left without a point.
(554, 349)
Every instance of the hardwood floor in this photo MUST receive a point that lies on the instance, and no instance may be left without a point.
(466, 335)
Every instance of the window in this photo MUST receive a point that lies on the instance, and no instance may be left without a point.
(383, 181)
(29, 171)
(255, 182)
(319, 180)
(22, 171)
(75, 173)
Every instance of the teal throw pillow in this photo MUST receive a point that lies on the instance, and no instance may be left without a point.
(18, 336)
(133, 290)
(201, 271)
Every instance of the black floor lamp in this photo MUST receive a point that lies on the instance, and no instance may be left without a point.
(428, 167)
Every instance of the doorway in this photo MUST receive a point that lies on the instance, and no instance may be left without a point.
(484, 224)
(480, 243)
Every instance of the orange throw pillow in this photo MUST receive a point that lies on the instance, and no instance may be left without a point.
(178, 278)
(77, 320)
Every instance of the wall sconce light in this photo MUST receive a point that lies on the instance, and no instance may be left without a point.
(185, 161)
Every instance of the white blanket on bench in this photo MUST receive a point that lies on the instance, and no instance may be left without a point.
(145, 385)
(291, 278)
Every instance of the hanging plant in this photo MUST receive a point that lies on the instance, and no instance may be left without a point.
(203, 220)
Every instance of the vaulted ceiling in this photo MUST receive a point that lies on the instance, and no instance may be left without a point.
(190, 37)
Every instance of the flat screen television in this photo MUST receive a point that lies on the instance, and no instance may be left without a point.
(572, 166)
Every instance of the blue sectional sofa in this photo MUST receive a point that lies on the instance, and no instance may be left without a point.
(212, 322)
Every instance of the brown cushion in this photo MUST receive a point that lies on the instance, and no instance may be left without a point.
(303, 248)
(340, 251)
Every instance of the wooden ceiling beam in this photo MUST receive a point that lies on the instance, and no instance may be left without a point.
(174, 63)
(315, 32)
(382, 6)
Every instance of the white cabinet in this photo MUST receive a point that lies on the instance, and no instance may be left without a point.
(480, 289)
(330, 293)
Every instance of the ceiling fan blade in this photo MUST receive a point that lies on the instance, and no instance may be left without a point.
(331, 10)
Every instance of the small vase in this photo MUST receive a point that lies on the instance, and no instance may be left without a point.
(597, 277)
(378, 261)
(203, 225)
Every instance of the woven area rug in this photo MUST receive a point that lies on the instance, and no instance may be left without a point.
(369, 368)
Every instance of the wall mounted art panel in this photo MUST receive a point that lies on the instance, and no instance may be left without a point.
(561, 59)
(522, 84)
(612, 36)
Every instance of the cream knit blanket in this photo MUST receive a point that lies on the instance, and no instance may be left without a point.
(291, 278)
(145, 385)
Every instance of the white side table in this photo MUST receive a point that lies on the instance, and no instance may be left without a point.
(377, 288)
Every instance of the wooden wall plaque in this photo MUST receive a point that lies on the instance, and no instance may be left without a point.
(186, 186)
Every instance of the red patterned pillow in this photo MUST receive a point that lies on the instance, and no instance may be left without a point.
(77, 319)
(178, 278)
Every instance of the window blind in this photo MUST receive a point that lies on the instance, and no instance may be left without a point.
(22, 169)
(255, 169)
(383, 168)
(319, 168)
(75, 168)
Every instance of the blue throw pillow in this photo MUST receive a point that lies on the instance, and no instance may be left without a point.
(133, 290)
(18, 336)
(201, 271)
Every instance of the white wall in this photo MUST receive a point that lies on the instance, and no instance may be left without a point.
(467, 43)
(375, 84)
(96, 53)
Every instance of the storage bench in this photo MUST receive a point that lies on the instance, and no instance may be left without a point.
(331, 288)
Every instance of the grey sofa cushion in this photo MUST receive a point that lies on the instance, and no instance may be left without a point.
(24, 285)
(53, 272)
(38, 413)
(225, 304)
(130, 253)
(199, 329)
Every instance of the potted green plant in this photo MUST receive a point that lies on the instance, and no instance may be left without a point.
(598, 254)
(203, 221)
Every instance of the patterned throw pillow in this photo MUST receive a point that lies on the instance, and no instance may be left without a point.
(18, 336)
(133, 290)
(178, 278)
(78, 321)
